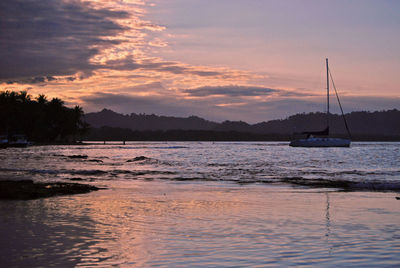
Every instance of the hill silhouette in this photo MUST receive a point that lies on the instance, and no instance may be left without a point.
(134, 121)
(107, 125)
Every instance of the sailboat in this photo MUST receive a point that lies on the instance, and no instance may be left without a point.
(321, 138)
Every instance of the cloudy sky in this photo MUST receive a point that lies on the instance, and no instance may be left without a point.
(250, 60)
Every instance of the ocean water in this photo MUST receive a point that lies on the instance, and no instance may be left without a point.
(363, 166)
(205, 204)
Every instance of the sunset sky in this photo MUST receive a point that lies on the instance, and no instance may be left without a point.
(250, 60)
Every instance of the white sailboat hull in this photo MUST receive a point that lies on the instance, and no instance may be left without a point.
(320, 142)
(323, 141)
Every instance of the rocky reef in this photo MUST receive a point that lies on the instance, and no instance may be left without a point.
(27, 189)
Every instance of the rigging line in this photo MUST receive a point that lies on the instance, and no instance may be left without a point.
(340, 105)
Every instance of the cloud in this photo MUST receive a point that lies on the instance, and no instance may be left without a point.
(231, 91)
(103, 54)
(297, 93)
(369, 103)
(251, 110)
(52, 38)
(128, 63)
(125, 103)
(90, 44)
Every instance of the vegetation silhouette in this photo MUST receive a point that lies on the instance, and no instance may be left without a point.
(45, 121)
(40, 120)
(364, 126)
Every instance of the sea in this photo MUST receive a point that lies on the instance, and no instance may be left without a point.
(205, 204)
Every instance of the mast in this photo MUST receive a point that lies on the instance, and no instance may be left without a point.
(327, 95)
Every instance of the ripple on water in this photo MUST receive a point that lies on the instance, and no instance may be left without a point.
(187, 215)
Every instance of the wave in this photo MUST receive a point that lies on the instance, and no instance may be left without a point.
(91, 172)
(171, 147)
(138, 159)
(81, 157)
(351, 172)
(95, 160)
(141, 172)
(345, 185)
(341, 185)
(56, 172)
(74, 156)
(77, 156)
(143, 160)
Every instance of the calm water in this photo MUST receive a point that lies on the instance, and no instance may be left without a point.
(205, 204)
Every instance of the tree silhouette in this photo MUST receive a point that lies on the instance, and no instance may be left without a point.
(39, 119)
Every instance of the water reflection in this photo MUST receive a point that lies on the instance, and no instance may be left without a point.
(328, 216)
(328, 223)
(50, 232)
(173, 224)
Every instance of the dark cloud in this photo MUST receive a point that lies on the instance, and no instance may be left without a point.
(231, 91)
(128, 64)
(137, 104)
(44, 38)
(34, 80)
(206, 73)
(285, 93)
(109, 99)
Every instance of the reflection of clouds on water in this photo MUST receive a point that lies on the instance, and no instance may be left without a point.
(49, 231)
(175, 202)
(163, 223)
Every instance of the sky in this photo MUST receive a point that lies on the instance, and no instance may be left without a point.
(249, 60)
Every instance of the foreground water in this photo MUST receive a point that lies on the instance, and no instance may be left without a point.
(205, 204)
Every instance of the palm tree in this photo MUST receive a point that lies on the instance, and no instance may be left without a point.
(39, 119)
(42, 99)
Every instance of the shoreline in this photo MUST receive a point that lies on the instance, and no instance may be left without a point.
(116, 142)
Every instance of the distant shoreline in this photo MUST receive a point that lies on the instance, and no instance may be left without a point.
(363, 126)
(116, 141)
(123, 134)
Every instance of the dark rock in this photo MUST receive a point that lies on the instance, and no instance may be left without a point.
(27, 189)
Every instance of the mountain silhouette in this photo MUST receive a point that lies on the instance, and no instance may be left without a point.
(378, 125)
(134, 121)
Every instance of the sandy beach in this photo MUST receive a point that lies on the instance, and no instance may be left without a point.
(181, 224)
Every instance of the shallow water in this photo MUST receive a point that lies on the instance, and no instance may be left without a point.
(364, 165)
(205, 204)
(187, 224)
